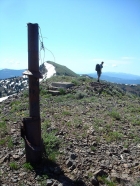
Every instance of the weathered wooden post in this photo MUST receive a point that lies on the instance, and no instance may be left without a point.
(31, 129)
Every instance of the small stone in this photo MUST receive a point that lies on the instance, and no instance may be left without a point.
(94, 144)
(125, 176)
(69, 163)
(16, 157)
(55, 183)
(108, 153)
(125, 150)
(136, 163)
(22, 174)
(125, 165)
(29, 183)
(73, 156)
(13, 130)
(94, 181)
(73, 166)
(60, 184)
(15, 177)
(38, 178)
(14, 180)
(20, 153)
(100, 172)
(49, 182)
(115, 176)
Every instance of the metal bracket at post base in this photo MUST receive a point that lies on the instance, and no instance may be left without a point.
(33, 152)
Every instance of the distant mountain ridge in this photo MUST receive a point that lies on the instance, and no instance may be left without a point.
(9, 73)
(122, 75)
(122, 78)
(60, 70)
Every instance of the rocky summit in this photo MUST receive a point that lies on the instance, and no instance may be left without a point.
(90, 132)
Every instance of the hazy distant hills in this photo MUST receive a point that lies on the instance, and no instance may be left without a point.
(113, 77)
(8, 73)
(60, 70)
(122, 78)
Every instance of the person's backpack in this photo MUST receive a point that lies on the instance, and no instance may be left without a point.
(98, 68)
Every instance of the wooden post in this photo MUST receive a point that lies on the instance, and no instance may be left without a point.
(31, 130)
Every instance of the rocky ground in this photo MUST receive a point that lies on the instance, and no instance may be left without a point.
(94, 132)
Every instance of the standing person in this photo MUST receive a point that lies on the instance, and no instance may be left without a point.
(99, 70)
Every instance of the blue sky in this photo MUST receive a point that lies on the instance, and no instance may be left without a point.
(80, 33)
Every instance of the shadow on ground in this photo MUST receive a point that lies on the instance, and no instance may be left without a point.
(49, 171)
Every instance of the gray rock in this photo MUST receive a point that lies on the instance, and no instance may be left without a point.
(22, 174)
(16, 156)
(49, 182)
(94, 181)
(73, 156)
(60, 184)
(14, 180)
(125, 150)
(4, 158)
(29, 183)
(73, 166)
(69, 163)
(100, 172)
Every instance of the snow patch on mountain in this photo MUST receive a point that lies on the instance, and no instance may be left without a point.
(50, 71)
(3, 98)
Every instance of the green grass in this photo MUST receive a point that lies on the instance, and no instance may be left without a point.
(25, 94)
(10, 143)
(69, 96)
(43, 91)
(3, 129)
(27, 166)
(16, 106)
(115, 115)
(2, 142)
(45, 125)
(63, 70)
(62, 91)
(107, 127)
(134, 109)
(93, 148)
(137, 183)
(137, 139)
(113, 136)
(80, 95)
(13, 165)
(7, 140)
(66, 113)
(77, 113)
(136, 122)
(13, 103)
(51, 144)
(104, 180)
(75, 82)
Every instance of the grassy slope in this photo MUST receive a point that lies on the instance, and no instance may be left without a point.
(63, 70)
(112, 115)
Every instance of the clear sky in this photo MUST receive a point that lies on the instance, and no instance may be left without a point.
(80, 33)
